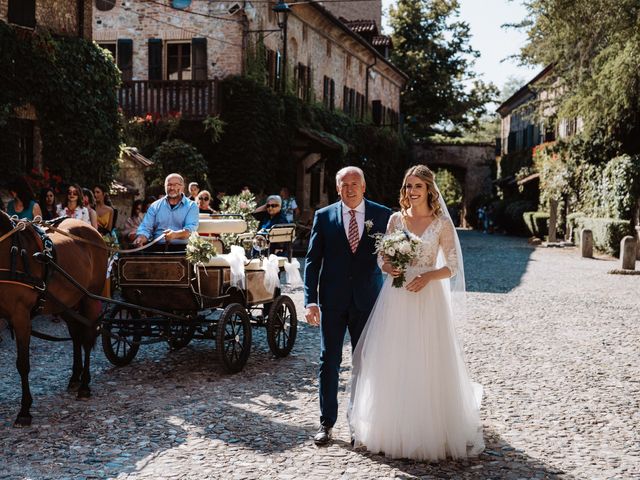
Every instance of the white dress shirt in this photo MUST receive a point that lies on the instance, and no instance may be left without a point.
(346, 218)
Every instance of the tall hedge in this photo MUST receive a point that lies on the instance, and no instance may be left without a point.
(72, 85)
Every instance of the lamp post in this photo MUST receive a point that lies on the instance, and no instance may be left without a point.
(282, 11)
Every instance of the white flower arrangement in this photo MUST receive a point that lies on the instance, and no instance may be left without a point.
(199, 249)
(368, 225)
(399, 248)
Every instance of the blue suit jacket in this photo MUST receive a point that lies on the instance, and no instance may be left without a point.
(335, 278)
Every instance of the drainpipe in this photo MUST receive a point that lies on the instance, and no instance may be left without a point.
(80, 11)
(366, 85)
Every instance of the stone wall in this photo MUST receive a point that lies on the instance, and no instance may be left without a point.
(144, 20)
(58, 16)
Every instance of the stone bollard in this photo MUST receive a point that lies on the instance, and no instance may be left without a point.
(628, 253)
(586, 243)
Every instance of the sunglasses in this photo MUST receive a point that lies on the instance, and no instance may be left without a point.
(272, 205)
(206, 199)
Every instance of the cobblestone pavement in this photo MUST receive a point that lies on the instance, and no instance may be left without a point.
(553, 338)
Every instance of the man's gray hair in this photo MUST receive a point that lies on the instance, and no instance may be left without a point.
(274, 198)
(350, 169)
(174, 175)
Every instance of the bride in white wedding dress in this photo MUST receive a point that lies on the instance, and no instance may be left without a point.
(411, 395)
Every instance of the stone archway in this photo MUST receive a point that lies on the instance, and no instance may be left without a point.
(469, 163)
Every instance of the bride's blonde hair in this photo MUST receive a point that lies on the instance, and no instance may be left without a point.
(423, 173)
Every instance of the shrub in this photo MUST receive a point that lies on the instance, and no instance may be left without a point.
(621, 186)
(572, 225)
(512, 219)
(540, 222)
(180, 157)
(607, 232)
(528, 221)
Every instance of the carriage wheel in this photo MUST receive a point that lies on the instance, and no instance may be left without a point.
(282, 326)
(233, 338)
(120, 337)
(179, 335)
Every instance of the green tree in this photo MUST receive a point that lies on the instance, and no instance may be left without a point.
(594, 46)
(432, 47)
(179, 157)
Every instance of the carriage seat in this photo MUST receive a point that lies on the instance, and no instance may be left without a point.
(215, 226)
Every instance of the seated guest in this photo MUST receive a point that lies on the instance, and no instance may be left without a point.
(48, 203)
(133, 222)
(89, 201)
(72, 206)
(174, 215)
(105, 213)
(216, 202)
(203, 200)
(268, 215)
(194, 189)
(23, 203)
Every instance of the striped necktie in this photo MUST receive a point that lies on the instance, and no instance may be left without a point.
(354, 236)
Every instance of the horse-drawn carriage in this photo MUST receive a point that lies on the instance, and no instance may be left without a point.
(170, 299)
(59, 268)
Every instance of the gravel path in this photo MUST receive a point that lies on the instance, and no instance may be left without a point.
(553, 338)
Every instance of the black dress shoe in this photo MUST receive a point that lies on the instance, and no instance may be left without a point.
(324, 436)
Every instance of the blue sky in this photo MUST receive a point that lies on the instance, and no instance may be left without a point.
(493, 42)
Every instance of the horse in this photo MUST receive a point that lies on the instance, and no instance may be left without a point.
(29, 287)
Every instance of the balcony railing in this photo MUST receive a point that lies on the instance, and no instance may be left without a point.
(194, 99)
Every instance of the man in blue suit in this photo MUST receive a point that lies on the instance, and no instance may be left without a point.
(342, 281)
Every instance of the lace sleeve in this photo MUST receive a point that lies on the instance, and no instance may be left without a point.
(394, 221)
(448, 246)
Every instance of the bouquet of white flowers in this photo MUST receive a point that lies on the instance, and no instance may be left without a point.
(199, 249)
(399, 248)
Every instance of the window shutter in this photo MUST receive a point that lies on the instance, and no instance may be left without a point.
(376, 112)
(22, 12)
(332, 95)
(155, 59)
(309, 83)
(345, 99)
(125, 58)
(325, 92)
(199, 52)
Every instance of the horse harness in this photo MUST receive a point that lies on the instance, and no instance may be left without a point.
(26, 277)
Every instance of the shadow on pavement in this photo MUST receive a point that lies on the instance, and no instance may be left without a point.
(499, 460)
(493, 263)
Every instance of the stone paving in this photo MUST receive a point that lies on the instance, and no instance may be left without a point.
(553, 338)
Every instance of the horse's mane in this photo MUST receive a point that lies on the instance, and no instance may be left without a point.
(5, 222)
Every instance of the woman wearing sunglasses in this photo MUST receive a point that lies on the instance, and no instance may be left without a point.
(204, 201)
(270, 213)
(72, 205)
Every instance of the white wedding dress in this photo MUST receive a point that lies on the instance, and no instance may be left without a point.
(411, 395)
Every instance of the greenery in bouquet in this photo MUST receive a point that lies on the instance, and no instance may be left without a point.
(243, 204)
(199, 249)
(399, 248)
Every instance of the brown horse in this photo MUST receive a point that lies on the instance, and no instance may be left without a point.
(85, 261)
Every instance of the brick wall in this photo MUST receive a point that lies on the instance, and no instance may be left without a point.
(57, 16)
(145, 20)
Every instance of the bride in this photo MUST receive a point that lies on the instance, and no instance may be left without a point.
(411, 396)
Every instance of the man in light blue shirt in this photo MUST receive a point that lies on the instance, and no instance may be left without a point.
(174, 215)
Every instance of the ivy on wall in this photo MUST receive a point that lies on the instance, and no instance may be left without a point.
(72, 85)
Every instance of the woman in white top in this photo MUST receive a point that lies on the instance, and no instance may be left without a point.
(72, 205)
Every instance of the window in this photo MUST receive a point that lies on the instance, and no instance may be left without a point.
(302, 78)
(178, 61)
(22, 12)
(105, 5)
(329, 93)
(20, 148)
(122, 52)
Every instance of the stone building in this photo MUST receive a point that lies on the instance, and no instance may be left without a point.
(172, 52)
(59, 17)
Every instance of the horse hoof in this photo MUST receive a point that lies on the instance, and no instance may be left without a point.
(22, 421)
(83, 395)
(73, 386)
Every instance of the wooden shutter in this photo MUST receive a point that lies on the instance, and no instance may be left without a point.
(125, 58)
(332, 95)
(325, 92)
(22, 12)
(155, 59)
(376, 112)
(199, 60)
